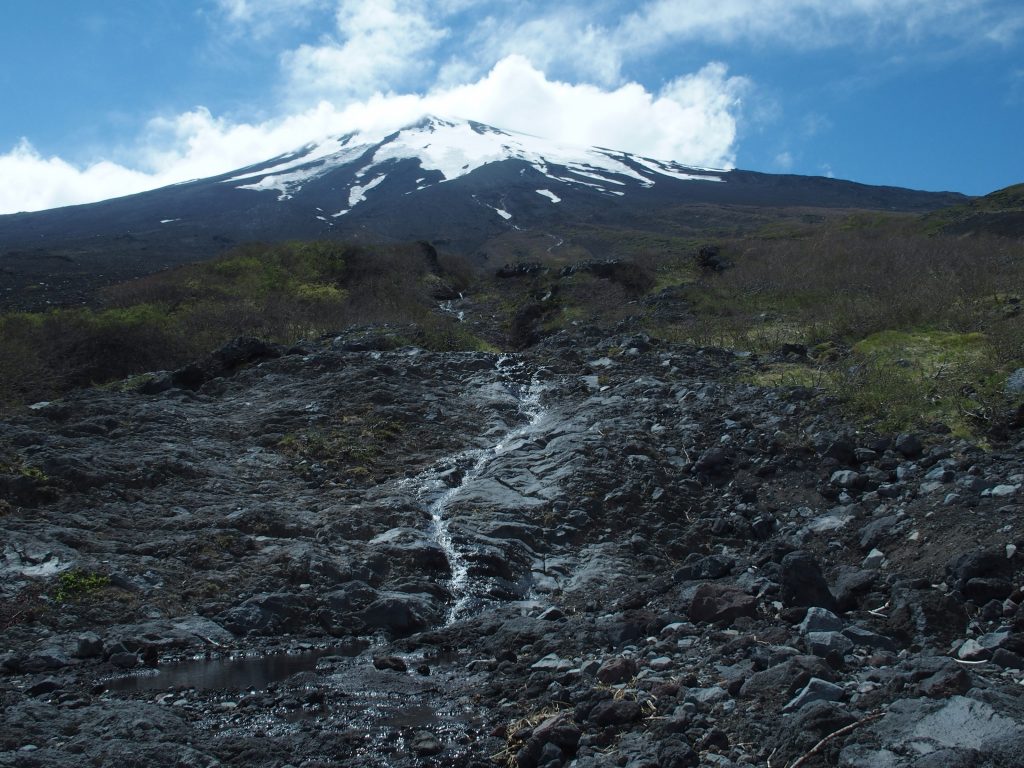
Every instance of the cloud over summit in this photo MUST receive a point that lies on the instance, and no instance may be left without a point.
(664, 78)
(692, 119)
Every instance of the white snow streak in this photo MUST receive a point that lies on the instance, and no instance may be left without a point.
(548, 193)
(357, 194)
(664, 170)
(321, 159)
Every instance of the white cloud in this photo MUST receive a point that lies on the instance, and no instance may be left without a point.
(692, 119)
(34, 182)
(800, 23)
(784, 161)
(1005, 31)
(262, 18)
(237, 11)
(567, 38)
(381, 45)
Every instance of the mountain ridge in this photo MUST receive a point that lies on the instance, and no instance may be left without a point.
(461, 184)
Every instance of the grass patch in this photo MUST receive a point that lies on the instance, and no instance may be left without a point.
(897, 380)
(930, 350)
(902, 378)
(352, 446)
(791, 375)
(677, 272)
(78, 585)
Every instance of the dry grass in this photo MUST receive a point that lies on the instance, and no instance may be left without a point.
(280, 293)
(518, 732)
(835, 283)
(853, 284)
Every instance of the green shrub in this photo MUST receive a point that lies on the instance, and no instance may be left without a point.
(275, 292)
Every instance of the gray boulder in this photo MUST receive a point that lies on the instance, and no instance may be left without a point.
(400, 614)
(803, 584)
(1015, 382)
(267, 614)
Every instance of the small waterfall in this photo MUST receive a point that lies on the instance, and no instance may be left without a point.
(448, 307)
(432, 483)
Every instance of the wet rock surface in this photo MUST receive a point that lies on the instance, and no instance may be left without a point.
(605, 551)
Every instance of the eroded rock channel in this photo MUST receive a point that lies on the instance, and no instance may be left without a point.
(606, 551)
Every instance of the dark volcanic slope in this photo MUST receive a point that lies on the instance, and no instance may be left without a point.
(558, 559)
(999, 213)
(457, 184)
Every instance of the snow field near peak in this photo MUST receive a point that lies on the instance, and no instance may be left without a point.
(454, 149)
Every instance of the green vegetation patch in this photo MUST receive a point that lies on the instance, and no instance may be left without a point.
(897, 380)
(674, 273)
(929, 350)
(791, 375)
(907, 329)
(12, 464)
(278, 293)
(902, 378)
(78, 585)
(351, 447)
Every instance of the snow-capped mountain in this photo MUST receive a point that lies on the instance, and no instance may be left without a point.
(454, 182)
(446, 150)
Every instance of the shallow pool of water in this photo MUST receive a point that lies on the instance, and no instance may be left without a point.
(229, 672)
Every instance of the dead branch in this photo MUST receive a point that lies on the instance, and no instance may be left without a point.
(835, 735)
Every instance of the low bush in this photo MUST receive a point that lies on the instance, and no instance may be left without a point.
(934, 323)
(275, 292)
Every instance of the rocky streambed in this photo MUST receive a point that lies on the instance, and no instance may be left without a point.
(605, 551)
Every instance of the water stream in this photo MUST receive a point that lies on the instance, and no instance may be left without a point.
(434, 484)
(437, 488)
(448, 307)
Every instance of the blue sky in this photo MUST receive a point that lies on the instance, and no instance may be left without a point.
(111, 97)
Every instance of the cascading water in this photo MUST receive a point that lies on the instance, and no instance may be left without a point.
(448, 307)
(433, 484)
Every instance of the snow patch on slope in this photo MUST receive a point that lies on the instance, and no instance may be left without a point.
(454, 149)
(550, 195)
(297, 169)
(357, 194)
(666, 169)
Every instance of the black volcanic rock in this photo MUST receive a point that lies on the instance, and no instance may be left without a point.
(803, 584)
(398, 556)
